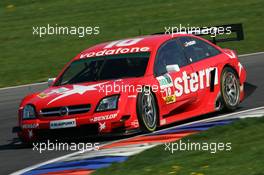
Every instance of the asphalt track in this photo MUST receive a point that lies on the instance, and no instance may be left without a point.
(14, 156)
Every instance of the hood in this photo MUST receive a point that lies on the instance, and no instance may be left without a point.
(78, 94)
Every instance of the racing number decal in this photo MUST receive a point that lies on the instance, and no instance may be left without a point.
(167, 89)
(120, 43)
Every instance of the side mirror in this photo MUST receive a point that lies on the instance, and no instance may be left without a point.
(51, 81)
(173, 68)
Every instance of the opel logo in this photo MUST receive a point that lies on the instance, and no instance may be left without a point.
(64, 111)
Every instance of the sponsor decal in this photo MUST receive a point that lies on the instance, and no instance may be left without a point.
(170, 99)
(43, 95)
(30, 133)
(163, 122)
(105, 117)
(165, 81)
(185, 84)
(122, 44)
(189, 43)
(135, 123)
(132, 96)
(195, 81)
(30, 126)
(167, 89)
(120, 50)
(102, 126)
(62, 124)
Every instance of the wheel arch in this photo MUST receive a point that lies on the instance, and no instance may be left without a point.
(232, 67)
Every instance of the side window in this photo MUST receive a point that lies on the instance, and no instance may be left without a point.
(168, 54)
(197, 49)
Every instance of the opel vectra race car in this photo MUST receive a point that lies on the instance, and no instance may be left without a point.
(134, 84)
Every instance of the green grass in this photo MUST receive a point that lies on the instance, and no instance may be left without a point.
(25, 58)
(245, 158)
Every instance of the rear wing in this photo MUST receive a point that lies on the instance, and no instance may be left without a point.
(221, 33)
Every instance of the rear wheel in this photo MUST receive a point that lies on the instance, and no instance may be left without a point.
(147, 111)
(230, 89)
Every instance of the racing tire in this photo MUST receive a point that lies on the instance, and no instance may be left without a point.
(147, 111)
(230, 90)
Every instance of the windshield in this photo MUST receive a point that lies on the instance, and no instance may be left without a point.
(105, 68)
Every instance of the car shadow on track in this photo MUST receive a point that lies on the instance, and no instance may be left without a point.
(249, 89)
(15, 143)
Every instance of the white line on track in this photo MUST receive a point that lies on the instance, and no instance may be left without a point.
(251, 54)
(42, 83)
(21, 86)
(221, 117)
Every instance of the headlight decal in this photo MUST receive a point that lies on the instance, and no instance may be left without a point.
(108, 103)
(29, 112)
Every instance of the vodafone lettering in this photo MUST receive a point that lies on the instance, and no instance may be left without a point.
(106, 52)
(122, 48)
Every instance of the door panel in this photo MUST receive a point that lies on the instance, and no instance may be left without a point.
(175, 85)
(204, 59)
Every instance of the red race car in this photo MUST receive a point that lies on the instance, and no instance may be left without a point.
(134, 84)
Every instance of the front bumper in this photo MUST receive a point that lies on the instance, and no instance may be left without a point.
(75, 127)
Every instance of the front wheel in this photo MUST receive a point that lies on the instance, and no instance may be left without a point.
(230, 89)
(147, 111)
